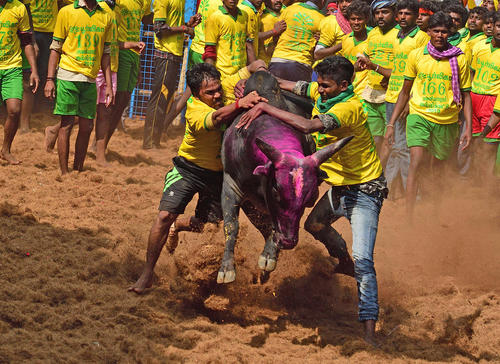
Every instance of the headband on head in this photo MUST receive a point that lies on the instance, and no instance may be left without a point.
(425, 11)
(377, 4)
(332, 6)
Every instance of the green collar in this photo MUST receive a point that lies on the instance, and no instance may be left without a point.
(475, 36)
(464, 32)
(224, 11)
(272, 12)
(411, 34)
(90, 13)
(307, 6)
(493, 49)
(250, 5)
(455, 39)
(355, 41)
(323, 107)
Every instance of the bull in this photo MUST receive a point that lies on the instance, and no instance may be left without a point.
(270, 173)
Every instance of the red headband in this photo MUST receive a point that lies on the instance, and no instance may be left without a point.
(425, 11)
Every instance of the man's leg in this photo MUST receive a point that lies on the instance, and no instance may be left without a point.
(51, 133)
(326, 211)
(64, 133)
(121, 101)
(11, 124)
(376, 123)
(416, 156)
(363, 213)
(27, 103)
(85, 127)
(102, 127)
(156, 241)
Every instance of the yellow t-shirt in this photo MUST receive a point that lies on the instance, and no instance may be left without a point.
(172, 13)
(331, 33)
(472, 41)
(380, 49)
(129, 14)
(229, 82)
(266, 23)
(403, 47)
(44, 14)
(486, 64)
(114, 37)
(461, 42)
(13, 18)
(84, 34)
(357, 162)
(350, 48)
(253, 23)
(229, 36)
(496, 107)
(297, 42)
(432, 96)
(205, 8)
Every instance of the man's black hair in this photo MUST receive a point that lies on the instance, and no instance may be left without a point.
(458, 9)
(198, 73)
(440, 19)
(490, 15)
(479, 10)
(337, 68)
(411, 5)
(360, 8)
(428, 5)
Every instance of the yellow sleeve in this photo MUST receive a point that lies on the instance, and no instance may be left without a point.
(61, 30)
(343, 114)
(147, 7)
(327, 36)
(422, 40)
(411, 69)
(110, 32)
(160, 13)
(312, 91)
(473, 64)
(24, 23)
(211, 30)
(465, 81)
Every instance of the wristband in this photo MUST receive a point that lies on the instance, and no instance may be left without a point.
(237, 104)
(50, 78)
(275, 33)
(184, 28)
(389, 126)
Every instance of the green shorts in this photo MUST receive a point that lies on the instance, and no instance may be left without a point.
(11, 83)
(76, 98)
(376, 118)
(128, 70)
(439, 139)
(194, 58)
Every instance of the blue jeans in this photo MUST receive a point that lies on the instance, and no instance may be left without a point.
(362, 211)
(399, 158)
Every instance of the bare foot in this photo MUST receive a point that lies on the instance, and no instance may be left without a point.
(145, 281)
(9, 158)
(369, 328)
(50, 139)
(102, 163)
(371, 340)
(345, 266)
(172, 239)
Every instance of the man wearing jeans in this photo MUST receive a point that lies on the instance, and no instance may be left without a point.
(355, 173)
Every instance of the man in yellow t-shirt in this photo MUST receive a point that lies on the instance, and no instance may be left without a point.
(293, 56)
(226, 36)
(252, 9)
(169, 29)
(438, 77)
(355, 173)
(81, 46)
(270, 29)
(16, 36)
(396, 159)
(332, 32)
(197, 168)
(475, 23)
(379, 61)
(205, 8)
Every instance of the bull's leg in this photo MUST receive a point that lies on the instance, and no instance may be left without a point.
(230, 201)
(269, 256)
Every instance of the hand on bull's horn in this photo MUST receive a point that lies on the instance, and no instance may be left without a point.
(252, 114)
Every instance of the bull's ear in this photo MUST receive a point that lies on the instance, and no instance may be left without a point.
(262, 170)
(270, 152)
(323, 154)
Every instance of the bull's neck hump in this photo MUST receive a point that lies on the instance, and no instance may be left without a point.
(285, 140)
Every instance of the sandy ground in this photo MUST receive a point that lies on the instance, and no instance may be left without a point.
(69, 248)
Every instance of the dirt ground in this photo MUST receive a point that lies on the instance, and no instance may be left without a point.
(70, 247)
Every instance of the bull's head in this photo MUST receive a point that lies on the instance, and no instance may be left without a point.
(292, 185)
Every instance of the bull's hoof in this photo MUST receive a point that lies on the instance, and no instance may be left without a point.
(266, 263)
(264, 276)
(226, 276)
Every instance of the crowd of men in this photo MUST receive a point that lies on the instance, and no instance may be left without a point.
(408, 79)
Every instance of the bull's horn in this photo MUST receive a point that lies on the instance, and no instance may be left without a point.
(271, 152)
(323, 154)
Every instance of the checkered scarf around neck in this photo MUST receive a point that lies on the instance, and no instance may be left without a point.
(343, 22)
(451, 53)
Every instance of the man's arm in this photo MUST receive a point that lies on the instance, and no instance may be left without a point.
(322, 52)
(50, 88)
(492, 123)
(29, 51)
(367, 64)
(251, 56)
(467, 136)
(228, 112)
(106, 69)
(298, 122)
(279, 28)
